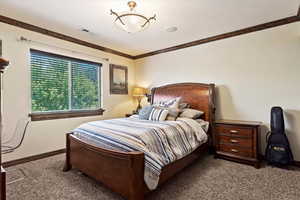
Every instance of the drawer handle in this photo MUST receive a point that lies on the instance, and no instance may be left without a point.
(234, 141)
(233, 131)
(234, 150)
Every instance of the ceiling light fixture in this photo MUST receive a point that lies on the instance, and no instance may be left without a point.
(131, 21)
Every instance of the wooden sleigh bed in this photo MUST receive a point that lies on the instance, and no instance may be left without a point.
(123, 172)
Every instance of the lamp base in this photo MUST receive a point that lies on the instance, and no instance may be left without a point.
(138, 108)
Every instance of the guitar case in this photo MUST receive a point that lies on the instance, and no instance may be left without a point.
(278, 151)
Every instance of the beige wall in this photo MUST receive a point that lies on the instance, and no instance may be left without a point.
(45, 136)
(252, 72)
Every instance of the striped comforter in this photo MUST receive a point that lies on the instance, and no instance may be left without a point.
(162, 142)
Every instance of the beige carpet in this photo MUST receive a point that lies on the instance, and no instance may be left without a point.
(207, 179)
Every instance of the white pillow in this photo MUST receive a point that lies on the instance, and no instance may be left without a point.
(191, 113)
(158, 114)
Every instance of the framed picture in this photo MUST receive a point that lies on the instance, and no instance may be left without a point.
(118, 79)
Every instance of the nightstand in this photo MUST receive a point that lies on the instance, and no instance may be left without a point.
(128, 115)
(237, 141)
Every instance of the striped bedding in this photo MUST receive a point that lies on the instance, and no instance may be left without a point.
(162, 142)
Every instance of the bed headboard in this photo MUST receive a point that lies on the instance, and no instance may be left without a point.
(200, 96)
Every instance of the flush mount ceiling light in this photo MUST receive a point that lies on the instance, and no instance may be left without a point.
(131, 21)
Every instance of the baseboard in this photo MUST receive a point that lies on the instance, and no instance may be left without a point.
(32, 158)
(60, 151)
(296, 163)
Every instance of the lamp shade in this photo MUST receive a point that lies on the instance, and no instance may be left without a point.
(138, 92)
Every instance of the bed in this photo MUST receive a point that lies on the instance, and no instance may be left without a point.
(124, 171)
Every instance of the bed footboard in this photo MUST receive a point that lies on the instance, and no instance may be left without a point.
(122, 172)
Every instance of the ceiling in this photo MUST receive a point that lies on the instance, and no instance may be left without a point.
(195, 19)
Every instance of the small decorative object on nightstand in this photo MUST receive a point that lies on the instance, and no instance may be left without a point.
(128, 115)
(237, 141)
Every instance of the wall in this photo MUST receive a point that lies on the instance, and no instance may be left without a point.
(252, 73)
(45, 136)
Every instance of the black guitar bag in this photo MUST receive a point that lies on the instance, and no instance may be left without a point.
(278, 151)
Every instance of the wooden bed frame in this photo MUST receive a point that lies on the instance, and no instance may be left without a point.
(123, 172)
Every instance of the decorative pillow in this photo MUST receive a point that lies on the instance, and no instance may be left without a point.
(172, 103)
(170, 118)
(191, 113)
(183, 106)
(144, 113)
(174, 112)
(158, 114)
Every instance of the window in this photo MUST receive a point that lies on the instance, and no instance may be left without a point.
(62, 86)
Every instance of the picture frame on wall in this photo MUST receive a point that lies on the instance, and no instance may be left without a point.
(118, 79)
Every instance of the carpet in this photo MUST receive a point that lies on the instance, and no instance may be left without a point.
(206, 179)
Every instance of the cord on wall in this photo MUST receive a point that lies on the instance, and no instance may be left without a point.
(17, 138)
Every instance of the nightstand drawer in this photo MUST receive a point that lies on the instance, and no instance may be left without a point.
(234, 130)
(236, 150)
(244, 142)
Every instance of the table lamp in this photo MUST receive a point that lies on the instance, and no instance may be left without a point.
(138, 93)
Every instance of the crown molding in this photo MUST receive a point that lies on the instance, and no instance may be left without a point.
(61, 36)
(251, 29)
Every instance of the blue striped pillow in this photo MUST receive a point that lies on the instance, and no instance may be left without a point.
(158, 114)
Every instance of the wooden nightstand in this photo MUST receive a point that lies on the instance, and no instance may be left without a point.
(128, 115)
(237, 141)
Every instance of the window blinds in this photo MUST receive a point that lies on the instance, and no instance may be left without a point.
(60, 83)
(85, 87)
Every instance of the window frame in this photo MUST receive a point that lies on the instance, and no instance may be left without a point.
(50, 115)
